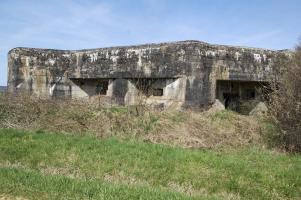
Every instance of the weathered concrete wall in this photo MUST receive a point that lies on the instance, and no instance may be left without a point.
(190, 69)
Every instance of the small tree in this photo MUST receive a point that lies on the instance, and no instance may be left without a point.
(285, 99)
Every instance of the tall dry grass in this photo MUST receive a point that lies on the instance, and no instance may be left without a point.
(178, 128)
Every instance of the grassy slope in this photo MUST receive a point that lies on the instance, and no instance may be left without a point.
(40, 165)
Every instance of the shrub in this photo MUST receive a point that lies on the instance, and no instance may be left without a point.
(285, 102)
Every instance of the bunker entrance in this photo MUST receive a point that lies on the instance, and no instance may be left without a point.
(234, 93)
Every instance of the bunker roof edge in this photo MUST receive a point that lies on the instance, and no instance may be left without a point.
(153, 45)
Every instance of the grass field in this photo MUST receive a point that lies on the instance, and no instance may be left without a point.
(57, 166)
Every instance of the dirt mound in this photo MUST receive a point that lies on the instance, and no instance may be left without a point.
(208, 130)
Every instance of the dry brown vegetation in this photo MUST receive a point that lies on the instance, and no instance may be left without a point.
(285, 106)
(177, 128)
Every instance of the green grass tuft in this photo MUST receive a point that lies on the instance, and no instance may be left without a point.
(34, 185)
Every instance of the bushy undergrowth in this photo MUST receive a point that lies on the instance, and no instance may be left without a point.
(285, 104)
(184, 128)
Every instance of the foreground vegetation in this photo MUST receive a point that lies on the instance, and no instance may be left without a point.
(189, 129)
(54, 149)
(38, 165)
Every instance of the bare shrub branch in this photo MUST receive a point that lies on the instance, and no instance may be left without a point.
(285, 101)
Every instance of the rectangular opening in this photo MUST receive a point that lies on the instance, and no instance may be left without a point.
(157, 92)
(233, 93)
(91, 87)
(149, 86)
(101, 87)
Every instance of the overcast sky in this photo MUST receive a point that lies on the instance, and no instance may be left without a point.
(77, 24)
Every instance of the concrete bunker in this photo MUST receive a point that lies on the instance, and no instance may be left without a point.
(233, 92)
(185, 73)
